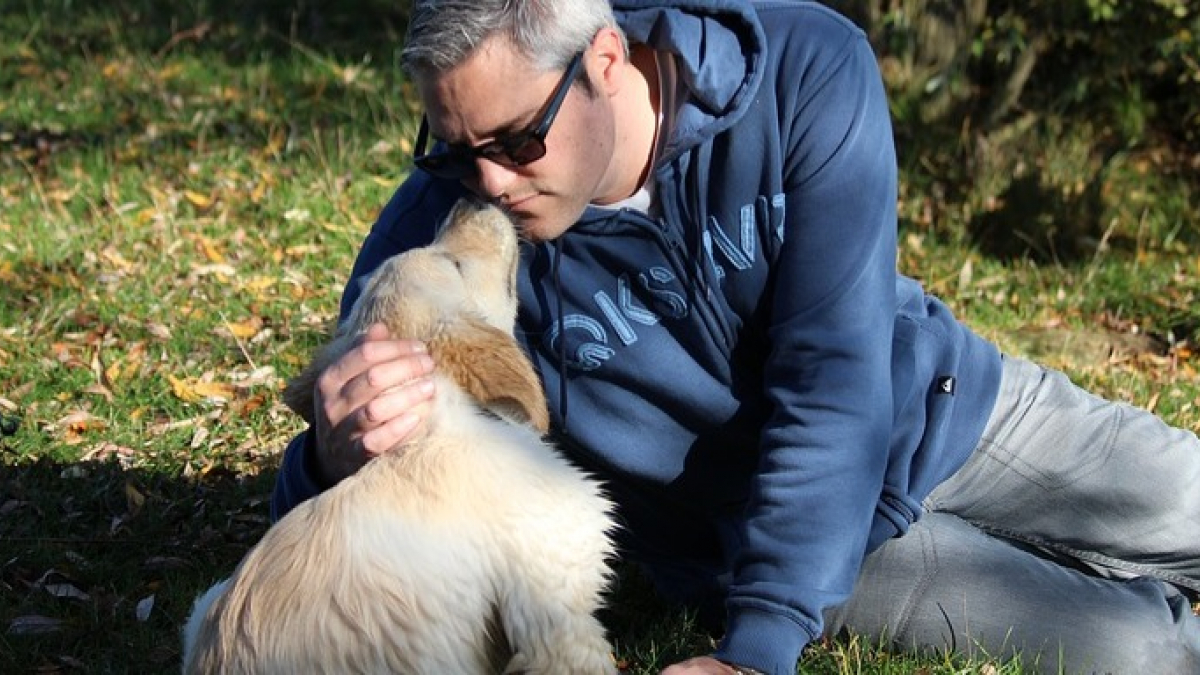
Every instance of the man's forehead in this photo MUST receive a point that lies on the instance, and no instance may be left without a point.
(494, 92)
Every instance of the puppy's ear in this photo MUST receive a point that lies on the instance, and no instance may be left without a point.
(489, 365)
(298, 394)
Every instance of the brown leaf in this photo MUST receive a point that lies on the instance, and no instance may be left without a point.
(78, 423)
(105, 451)
(100, 390)
(158, 330)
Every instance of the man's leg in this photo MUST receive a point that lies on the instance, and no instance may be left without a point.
(1104, 483)
(948, 586)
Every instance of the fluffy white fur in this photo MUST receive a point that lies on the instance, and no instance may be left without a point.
(473, 549)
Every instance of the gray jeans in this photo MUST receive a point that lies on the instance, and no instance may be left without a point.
(1069, 538)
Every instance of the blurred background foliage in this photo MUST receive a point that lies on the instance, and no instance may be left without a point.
(1049, 128)
(1042, 128)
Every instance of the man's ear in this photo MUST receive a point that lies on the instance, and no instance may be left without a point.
(607, 73)
(489, 365)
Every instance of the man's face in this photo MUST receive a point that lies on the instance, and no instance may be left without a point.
(496, 93)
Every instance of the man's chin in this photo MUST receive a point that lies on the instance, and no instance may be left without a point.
(535, 229)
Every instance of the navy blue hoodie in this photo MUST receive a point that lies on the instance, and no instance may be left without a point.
(766, 398)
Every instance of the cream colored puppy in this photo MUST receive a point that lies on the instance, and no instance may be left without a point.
(474, 548)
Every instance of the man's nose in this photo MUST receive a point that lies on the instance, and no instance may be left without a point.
(492, 179)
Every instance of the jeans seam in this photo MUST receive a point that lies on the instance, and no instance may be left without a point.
(920, 590)
(1093, 557)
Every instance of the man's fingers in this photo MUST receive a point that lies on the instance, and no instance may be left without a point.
(376, 331)
(395, 401)
(376, 378)
(393, 431)
(371, 368)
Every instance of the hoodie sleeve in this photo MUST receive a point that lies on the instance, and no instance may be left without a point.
(824, 450)
(409, 220)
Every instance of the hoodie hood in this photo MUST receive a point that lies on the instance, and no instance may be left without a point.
(719, 49)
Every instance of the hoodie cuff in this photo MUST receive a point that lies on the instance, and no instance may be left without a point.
(297, 480)
(763, 641)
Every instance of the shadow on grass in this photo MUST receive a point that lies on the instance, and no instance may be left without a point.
(101, 563)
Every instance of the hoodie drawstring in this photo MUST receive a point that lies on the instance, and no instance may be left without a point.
(560, 311)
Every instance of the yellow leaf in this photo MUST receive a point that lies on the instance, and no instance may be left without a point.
(193, 391)
(112, 374)
(214, 390)
(117, 260)
(211, 251)
(259, 191)
(245, 329)
(199, 200)
(259, 284)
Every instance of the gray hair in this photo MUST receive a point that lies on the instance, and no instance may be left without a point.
(443, 33)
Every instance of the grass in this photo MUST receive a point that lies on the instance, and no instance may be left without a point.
(182, 190)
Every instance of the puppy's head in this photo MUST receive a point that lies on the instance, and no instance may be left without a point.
(458, 295)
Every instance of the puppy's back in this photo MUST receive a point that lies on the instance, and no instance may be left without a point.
(354, 582)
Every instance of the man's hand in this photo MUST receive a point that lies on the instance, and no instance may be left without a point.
(701, 665)
(370, 400)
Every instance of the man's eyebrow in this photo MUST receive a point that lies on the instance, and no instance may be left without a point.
(509, 128)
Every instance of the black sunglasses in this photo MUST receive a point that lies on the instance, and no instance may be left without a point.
(457, 162)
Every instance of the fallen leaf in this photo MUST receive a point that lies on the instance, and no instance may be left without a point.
(297, 215)
(100, 390)
(194, 391)
(143, 609)
(34, 624)
(105, 451)
(197, 199)
(66, 591)
(247, 328)
(78, 423)
(165, 563)
(211, 251)
(198, 437)
(159, 331)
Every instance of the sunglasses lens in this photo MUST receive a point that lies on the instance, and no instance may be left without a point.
(530, 149)
(449, 165)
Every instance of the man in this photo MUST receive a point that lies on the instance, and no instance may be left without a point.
(799, 440)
